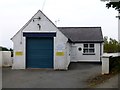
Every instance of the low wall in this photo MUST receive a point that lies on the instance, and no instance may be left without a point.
(114, 64)
(110, 61)
(5, 58)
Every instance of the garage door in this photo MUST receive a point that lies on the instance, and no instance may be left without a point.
(39, 52)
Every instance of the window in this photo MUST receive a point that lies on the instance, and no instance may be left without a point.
(79, 48)
(88, 49)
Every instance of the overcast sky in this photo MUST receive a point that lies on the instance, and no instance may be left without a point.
(70, 13)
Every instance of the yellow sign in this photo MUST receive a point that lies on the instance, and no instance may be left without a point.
(18, 53)
(59, 53)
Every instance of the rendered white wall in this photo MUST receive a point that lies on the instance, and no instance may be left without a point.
(18, 46)
(60, 61)
(5, 59)
(105, 65)
(77, 55)
(46, 25)
(68, 48)
(106, 61)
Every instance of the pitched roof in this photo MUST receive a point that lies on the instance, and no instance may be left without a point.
(39, 11)
(82, 34)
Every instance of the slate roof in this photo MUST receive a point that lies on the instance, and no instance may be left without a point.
(82, 34)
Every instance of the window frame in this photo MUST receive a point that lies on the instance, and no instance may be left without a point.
(88, 47)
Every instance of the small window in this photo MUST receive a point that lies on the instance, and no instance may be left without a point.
(79, 48)
(88, 49)
(91, 50)
(86, 45)
(85, 50)
(91, 45)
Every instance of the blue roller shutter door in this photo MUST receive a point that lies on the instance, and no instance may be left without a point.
(39, 52)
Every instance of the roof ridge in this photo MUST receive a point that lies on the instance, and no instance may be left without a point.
(81, 27)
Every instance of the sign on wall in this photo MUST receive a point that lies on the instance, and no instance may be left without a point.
(59, 53)
(18, 53)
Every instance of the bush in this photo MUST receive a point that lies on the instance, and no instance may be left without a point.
(111, 45)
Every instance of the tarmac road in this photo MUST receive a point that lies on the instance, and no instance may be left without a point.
(75, 77)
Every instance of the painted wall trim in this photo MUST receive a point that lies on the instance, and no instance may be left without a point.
(42, 34)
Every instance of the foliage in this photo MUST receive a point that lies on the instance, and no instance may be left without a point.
(111, 45)
(115, 5)
(6, 49)
(114, 68)
(3, 49)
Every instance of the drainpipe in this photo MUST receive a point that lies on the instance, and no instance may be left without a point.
(100, 52)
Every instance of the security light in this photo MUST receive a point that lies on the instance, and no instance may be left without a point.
(36, 18)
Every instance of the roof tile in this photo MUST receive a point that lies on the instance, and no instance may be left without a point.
(82, 34)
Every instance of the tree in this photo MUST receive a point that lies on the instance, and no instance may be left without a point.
(115, 5)
(3, 49)
(106, 46)
(111, 45)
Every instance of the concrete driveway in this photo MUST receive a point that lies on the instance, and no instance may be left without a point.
(75, 77)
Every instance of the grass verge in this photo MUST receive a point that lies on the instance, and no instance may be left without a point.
(98, 79)
(114, 70)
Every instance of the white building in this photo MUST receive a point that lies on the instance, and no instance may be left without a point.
(40, 44)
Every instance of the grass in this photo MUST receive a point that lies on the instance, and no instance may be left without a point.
(98, 79)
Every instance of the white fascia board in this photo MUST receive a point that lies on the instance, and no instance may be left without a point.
(111, 0)
(39, 31)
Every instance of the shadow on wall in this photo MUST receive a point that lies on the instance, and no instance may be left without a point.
(114, 64)
(83, 65)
